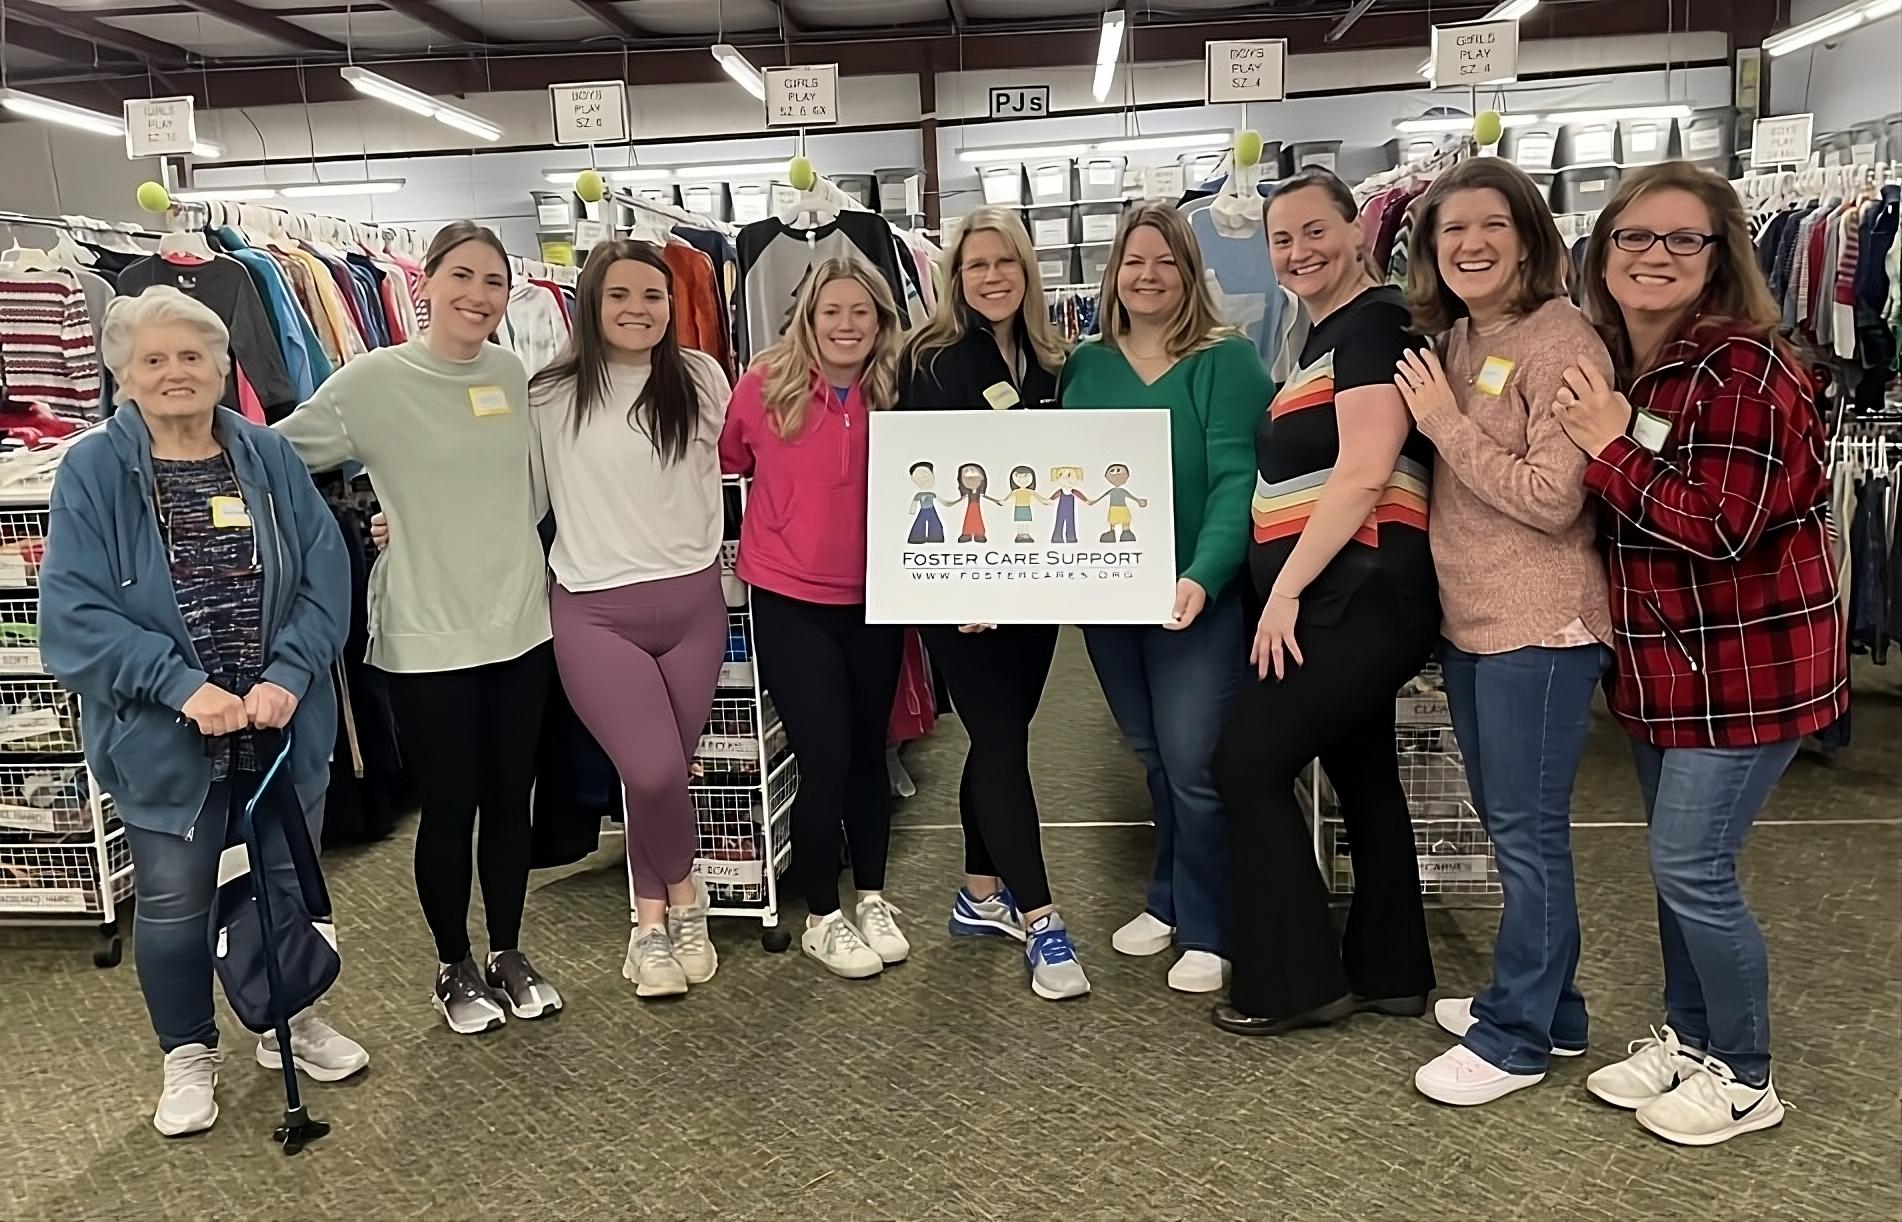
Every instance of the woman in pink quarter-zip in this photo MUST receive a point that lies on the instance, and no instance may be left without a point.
(797, 425)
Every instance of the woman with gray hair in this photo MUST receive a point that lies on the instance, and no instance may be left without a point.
(195, 589)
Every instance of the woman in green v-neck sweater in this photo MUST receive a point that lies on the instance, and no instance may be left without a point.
(1163, 345)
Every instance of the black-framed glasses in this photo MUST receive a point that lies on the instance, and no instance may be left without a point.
(1681, 242)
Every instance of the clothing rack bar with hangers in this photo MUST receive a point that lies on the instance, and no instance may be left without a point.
(77, 225)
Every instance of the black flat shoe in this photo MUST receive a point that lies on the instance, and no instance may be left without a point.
(1392, 1007)
(1233, 1021)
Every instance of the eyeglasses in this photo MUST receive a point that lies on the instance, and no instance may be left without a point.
(1681, 242)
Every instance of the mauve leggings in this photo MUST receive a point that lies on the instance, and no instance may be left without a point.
(640, 663)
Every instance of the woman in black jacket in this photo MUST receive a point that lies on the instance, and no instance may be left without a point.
(989, 345)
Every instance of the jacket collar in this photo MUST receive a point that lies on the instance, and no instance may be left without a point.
(132, 442)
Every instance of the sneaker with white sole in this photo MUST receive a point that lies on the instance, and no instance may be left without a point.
(996, 917)
(653, 965)
(687, 930)
(878, 923)
(463, 999)
(1711, 1106)
(1463, 1078)
(1143, 936)
(1655, 1067)
(1455, 1016)
(1055, 975)
(1198, 971)
(320, 1052)
(837, 944)
(187, 1102)
(518, 985)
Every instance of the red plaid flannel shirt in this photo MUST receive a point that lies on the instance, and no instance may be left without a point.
(1723, 594)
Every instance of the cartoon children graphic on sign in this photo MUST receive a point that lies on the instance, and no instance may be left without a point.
(974, 488)
(1022, 495)
(1119, 498)
(1066, 494)
(926, 526)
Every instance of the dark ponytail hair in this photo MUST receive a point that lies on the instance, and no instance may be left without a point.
(1338, 193)
(457, 233)
(668, 409)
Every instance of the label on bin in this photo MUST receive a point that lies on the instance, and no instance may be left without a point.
(1461, 869)
(718, 872)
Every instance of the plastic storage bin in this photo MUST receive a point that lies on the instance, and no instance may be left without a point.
(1645, 141)
(1584, 188)
(1587, 144)
(1057, 266)
(1003, 184)
(1098, 222)
(1299, 154)
(712, 199)
(861, 188)
(891, 192)
(1100, 178)
(1092, 262)
(1532, 148)
(1051, 226)
(1705, 136)
(752, 201)
(1198, 168)
(1051, 182)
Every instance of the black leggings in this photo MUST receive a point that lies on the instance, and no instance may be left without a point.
(471, 738)
(996, 681)
(1338, 707)
(833, 677)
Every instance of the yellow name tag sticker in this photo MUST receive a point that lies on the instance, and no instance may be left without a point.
(489, 400)
(1002, 396)
(1493, 374)
(229, 513)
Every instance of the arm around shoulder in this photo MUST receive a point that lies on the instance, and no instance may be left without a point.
(316, 430)
(313, 637)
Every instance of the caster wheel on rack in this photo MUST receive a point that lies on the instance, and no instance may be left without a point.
(775, 940)
(107, 952)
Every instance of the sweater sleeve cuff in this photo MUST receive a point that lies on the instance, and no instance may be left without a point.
(1440, 425)
(1611, 462)
(289, 676)
(181, 687)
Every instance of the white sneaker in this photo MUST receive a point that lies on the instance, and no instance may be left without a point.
(1143, 936)
(687, 930)
(837, 944)
(1655, 1067)
(1711, 1106)
(1455, 1016)
(1463, 1078)
(1198, 972)
(652, 964)
(320, 1052)
(187, 1102)
(877, 922)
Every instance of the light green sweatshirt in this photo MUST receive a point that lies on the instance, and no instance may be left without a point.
(450, 454)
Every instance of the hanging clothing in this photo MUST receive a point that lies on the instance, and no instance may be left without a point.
(224, 286)
(534, 328)
(697, 322)
(1229, 234)
(775, 257)
(47, 350)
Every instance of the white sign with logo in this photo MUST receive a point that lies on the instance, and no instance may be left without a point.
(590, 112)
(1251, 71)
(1020, 101)
(1020, 517)
(802, 97)
(1783, 141)
(1475, 52)
(159, 127)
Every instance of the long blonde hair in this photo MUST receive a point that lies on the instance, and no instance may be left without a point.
(1197, 324)
(791, 365)
(951, 321)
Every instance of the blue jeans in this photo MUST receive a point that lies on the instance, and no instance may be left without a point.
(1169, 692)
(177, 881)
(1522, 719)
(1700, 803)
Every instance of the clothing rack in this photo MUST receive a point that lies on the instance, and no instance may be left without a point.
(1429, 163)
(75, 224)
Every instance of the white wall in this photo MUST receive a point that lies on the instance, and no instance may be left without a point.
(52, 170)
(1854, 79)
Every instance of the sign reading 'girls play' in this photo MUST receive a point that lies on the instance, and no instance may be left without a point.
(1020, 517)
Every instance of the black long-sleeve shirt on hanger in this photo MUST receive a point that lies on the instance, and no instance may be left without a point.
(225, 287)
(775, 257)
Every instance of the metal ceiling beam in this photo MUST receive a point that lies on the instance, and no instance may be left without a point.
(605, 12)
(789, 25)
(956, 9)
(446, 24)
(71, 51)
(96, 31)
(268, 24)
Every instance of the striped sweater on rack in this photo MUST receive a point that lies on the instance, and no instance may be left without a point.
(47, 352)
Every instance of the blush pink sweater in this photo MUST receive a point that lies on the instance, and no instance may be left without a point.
(1513, 540)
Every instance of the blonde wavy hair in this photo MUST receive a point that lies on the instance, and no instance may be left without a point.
(951, 321)
(792, 365)
(1197, 323)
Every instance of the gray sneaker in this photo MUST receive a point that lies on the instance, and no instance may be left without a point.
(1055, 975)
(516, 983)
(463, 999)
(687, 930)
(652, 965)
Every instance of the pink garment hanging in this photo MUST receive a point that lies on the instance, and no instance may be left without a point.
(914, 706)
(248, 404)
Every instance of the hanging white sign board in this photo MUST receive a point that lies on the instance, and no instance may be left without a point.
(1020, 102)
(802, 97)
(1475, 52)
(590, 112)
(1781, 141)
(159, 127)
(1251, 71)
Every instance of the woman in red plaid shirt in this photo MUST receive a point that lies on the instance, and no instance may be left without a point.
(1710, 461)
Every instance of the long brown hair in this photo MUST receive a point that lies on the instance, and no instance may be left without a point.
(950, 322)
(668, 407)
(1735, 295)
(791, 364)
(1197, 323)
(1541, 277)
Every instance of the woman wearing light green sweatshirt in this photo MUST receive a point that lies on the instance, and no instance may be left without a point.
(458, 612)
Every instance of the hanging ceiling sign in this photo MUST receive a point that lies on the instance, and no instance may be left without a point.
(159, 127)
(590, 112)
(1475, 52)
(802, 97)
(1020, 102)
(1251, 71)
(1783, 141)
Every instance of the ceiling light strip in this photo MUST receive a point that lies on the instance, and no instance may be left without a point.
(383, 89)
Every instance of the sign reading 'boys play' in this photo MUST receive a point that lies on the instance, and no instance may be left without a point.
(1020, 517)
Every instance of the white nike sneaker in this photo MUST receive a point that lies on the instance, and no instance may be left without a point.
(1463, 1078)
(837, 944)
(1455, 1016)
(1655, 1067)
(1143, 936)
(187, 1102)
(1711, 1106)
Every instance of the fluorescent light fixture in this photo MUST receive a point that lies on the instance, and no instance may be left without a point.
(741, 69)
(225, 194)
(1145, 144)
(1508, 10)
(1028, 153)
(1615, 113)
(738, 169)
(315, 190)
(33, 106)
(208, 151)
(1458, 123)
(566, 178)
(1108, 47)
(1829, 25)
(383, 89)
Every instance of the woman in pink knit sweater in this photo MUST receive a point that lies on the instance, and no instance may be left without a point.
(1522, 591)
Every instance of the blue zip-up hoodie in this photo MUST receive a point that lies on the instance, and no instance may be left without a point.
(111, 630)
